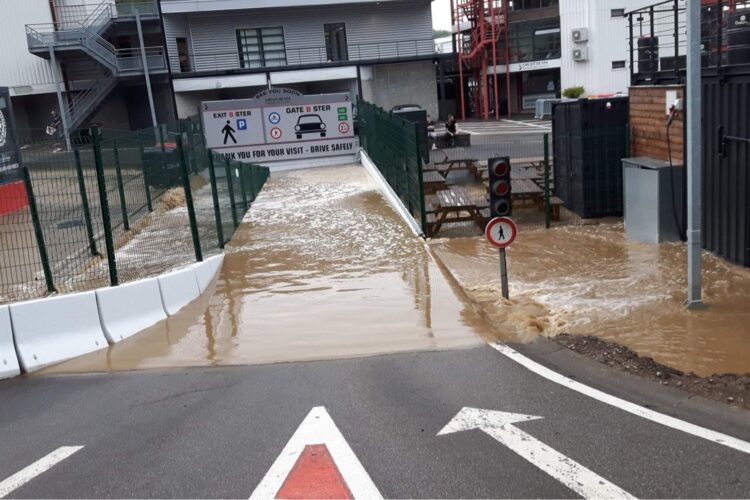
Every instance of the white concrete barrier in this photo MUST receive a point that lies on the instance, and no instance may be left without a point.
(54, 329)
(207, 270)
(8, 359)
(178, 288)
(127, 309)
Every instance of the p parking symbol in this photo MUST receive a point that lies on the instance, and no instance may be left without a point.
(241, 124)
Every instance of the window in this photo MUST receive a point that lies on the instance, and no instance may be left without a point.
(617, 13)
(182, 54)
(618, 64)
(336, 49)
(261, 47)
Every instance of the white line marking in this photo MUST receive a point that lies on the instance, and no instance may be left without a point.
(534, 125)
(39, 467)
(654, 416)
(500, 426)
(318, 428)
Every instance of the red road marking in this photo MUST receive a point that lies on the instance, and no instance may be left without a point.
(314, 475)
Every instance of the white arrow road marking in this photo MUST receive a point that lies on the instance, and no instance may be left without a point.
(654, 416)
(39, 467)
(500, 425)
(318, 428)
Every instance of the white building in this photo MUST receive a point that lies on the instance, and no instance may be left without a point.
(229, 49)
(595, 44)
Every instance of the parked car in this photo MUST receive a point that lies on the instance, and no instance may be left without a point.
(403, 108)
(310, 124)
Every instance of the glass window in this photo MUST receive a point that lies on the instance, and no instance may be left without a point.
(261, 47)
(336, 49)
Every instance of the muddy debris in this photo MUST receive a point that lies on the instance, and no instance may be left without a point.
(731, 389)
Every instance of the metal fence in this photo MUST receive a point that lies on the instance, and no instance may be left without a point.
(119, 207)
(393, 145)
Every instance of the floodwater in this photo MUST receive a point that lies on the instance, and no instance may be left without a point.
(590, 280)
(321, 268)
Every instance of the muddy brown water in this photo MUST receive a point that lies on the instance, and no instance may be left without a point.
(321, 268)
(591, 280)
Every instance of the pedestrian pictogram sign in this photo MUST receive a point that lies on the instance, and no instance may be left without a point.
(276, 133)
(501, 232)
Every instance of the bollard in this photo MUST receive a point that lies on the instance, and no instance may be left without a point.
(96, 140)
(215, 196)
(38, 232)
(85, 203)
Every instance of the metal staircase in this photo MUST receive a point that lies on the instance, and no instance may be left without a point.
(86, 36)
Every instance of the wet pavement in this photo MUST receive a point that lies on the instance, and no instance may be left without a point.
(590, 280)
(321, 268)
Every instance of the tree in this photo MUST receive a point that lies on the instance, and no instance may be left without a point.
(440, 33)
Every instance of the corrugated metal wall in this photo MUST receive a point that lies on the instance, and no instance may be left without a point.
(18, 68)
(726, 178)
(372, 31)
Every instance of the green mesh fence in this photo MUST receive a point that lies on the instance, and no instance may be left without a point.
(119, 206)
(393, 145)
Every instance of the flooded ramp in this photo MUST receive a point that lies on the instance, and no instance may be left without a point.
(321, 268)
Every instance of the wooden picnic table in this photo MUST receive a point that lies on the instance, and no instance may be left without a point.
(446, 167)
(456, 205)
(433, 182)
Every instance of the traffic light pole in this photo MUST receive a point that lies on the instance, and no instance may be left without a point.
(694, 117)
(504, 274)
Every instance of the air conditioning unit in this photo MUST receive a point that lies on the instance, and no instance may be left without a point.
(580, 35)
(581, 54)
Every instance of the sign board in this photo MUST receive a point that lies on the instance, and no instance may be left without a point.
(279, 124)
(9, 170)
(501, 232)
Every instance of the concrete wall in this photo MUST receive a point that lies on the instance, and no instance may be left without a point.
(404, 83)
(648, 116)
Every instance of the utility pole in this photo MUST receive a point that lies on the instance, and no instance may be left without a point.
(144, 63)
(694, 153)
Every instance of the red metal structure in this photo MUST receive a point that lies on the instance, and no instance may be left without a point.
(478, 26)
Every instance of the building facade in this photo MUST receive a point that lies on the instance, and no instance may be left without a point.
(380, 50)
(85, 61)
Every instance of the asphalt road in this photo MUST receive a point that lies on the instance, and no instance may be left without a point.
(215, 432)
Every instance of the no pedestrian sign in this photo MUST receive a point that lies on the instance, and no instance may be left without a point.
(501, 232)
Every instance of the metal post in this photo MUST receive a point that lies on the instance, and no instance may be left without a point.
(504, 274)
(189, 200)
(632, 55)
(231, 192)
(146, 187)
(96, 139)
(121, 188)
(215, 196)
(144, 62)
(60, 101)
(241, 171)
(85, 203)
(547, 206)
(38, 232)
(694, 149)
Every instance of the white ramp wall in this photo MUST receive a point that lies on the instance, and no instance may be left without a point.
(207, 270)
(127, 309)
(178, 288)
(54, 329)
(8, 359)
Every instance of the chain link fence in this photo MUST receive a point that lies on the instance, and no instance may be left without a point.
(120, 206)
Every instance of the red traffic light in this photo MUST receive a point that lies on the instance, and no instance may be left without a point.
(501, 169)
(501, 187)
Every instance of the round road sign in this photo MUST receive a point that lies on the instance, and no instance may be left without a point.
(276, 133)
(501, 232)
(274, 118)
(343, 127)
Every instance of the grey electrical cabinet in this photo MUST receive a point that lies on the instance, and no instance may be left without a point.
(653, 193)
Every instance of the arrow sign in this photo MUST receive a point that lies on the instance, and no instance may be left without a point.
(317, 462)
(501, 426)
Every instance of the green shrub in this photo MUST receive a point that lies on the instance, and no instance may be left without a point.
(573, 92)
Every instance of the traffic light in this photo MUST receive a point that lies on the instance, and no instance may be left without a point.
(501, 204)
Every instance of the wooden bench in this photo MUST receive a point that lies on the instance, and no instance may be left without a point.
(456, 205)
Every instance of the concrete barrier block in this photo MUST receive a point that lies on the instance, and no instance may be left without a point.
(178, 288)
(54, 329)
(8, 359)
(207, 270)
(127, 309)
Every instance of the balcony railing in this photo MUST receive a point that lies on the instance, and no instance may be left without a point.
(658, 39)
(206, 61)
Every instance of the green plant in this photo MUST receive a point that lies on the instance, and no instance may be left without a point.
(573, 92)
